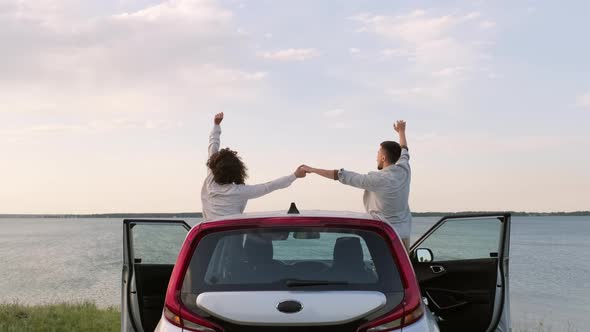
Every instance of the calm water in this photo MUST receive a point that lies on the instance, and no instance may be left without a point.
(56, 260)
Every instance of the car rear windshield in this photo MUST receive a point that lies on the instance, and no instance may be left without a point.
(290, 259)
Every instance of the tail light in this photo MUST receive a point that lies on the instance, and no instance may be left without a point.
(395, 320)
(187, 324)
(411, 309)
(174, 310)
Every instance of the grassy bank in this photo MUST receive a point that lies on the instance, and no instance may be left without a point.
(58, 317)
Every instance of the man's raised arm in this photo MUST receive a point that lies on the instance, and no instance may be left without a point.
(400, 127)
(215, 136)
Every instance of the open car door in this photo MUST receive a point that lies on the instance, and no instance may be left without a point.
(462, 266)
(150, 249)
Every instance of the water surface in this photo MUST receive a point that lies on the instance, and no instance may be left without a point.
(55, 260)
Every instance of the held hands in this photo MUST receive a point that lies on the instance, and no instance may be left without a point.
(400, 126)
(301, 171)
(218, 118)
(306, 168)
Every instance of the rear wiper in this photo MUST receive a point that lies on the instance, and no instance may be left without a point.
(304, 283)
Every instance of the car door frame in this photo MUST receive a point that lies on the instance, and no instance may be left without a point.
(130, 320)
(500, 321)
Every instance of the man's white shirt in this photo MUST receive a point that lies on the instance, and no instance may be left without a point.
(386, 193)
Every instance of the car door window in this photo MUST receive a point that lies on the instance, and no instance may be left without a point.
(460, 239)
(157, 243)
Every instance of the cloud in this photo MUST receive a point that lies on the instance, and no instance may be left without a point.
(92, 127)
(341, 125)
(173, 10)
(431, 39)
(291, 54)
(441, 52)
(354, 50)
(414, 27)
(584, 100)
(334, 113)
(397, 52)
(472, 15)
(457, 143)
(48, 129)
(418, 94)
(406, 91)
(449, 71)
(487, 24)
(161, 57)
(119, 124)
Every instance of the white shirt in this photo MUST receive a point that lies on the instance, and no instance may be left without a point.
(220, 200)
(386, 193)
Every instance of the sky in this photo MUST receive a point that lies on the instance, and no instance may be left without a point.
(106, 106)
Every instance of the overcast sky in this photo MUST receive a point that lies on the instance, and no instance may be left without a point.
(105, 106)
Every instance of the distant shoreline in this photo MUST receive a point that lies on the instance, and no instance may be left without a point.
(200, 215)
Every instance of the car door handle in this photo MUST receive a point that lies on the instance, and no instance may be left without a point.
(436, 269)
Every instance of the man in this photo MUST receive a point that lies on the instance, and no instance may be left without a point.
(386, 191)
(224, 191)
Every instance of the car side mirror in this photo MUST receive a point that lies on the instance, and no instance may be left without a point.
(424, 255)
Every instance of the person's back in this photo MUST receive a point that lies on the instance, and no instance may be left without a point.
(224, 191)
(389, 200)
(220, 199)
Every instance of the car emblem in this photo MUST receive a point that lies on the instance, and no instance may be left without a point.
(290, 307)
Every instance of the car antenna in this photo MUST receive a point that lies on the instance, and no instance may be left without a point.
(293, 209)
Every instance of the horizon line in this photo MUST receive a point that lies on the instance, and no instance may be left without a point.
(199, 214)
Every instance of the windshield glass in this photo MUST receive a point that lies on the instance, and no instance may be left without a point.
(284, 258)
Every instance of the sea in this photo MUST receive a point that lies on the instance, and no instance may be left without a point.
(51, 260)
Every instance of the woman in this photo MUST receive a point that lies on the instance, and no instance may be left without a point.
(224, 191)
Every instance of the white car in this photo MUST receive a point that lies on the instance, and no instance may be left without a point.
(316, 271)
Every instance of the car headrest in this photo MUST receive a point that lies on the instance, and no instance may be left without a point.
(348, 251)
(258, 250)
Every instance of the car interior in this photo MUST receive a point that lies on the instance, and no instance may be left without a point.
(459, 293)
(254, 263)
(151, 281)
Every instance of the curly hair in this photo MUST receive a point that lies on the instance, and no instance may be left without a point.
(227, 167)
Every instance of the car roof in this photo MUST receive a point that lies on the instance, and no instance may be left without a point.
(301, 214)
